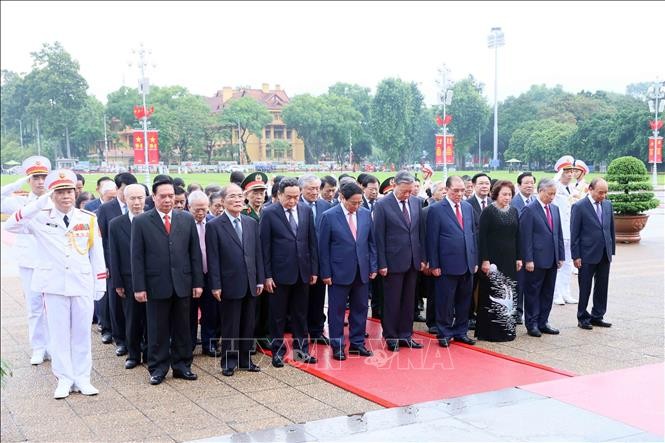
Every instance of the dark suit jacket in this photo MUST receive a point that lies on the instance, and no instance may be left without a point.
(398, 246)
(120, 234)
(234, 268)
(538, 243)
(321, 207)
(92, 205)
(448, 246)
(518, 203)
(366, 203)
(588, 239)
(340, 255)
(285, 255)
(165, 264)
(105, 213)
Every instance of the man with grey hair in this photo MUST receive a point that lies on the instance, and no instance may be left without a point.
(400, 257)
(542, 251)
(199, 205)
(310, 186)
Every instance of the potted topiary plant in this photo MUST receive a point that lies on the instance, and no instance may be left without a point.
(629, 192)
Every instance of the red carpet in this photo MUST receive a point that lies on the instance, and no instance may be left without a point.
(633, 396)
(417, 375)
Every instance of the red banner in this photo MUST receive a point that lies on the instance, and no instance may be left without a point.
(655, 150)
(139, 146)
(450, 149)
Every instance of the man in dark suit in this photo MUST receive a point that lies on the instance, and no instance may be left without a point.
(328, 188)
(542, 251)
(166, 272)
(526, 185)
(235, 267)
(370, 186)
(92, 205)
(453, 260)
(592, 245)
(291, 264)
(316, 319)
(105, 213)
(120, 229)
(400, 258)
(347, 257)
(428, 281)
(198, 205)
(478, 201)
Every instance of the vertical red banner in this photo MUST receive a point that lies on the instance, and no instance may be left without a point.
(450, 149)
(153, 147)
(139, 146)
(655, 150)
(438, 150)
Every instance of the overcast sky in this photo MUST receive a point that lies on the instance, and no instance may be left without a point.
(306, 47)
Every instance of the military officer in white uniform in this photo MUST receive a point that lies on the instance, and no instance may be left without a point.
(70, 272)
(35, 168)
(566, 195)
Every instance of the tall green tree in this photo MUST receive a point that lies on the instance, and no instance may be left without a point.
(247, 116)
(56, 91)
(361, 101)
(304, 113)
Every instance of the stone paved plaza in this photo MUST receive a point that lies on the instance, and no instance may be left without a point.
(129, 409)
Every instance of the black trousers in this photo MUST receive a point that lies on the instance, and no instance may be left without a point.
(538, 296)
(376, 295)
(289, 300)
(599, 275)
(316, 318)
(262, 317)
(116, 315)
(136, 331)
(169, 339)
(210, 314)
(237, 324)
(399, 298)
(430, 312)
(102, 312)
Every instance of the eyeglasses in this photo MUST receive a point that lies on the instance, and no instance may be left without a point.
(234, 196)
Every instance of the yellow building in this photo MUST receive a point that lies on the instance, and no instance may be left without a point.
(261, 150)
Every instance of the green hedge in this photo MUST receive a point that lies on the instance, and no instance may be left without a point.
(628, 183)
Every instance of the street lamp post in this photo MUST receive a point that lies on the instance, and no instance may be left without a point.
(143, 86)
(495, 40)
(656, 100)
(446, 97)
(20, 130)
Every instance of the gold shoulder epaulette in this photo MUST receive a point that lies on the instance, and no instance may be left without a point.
(85, 211)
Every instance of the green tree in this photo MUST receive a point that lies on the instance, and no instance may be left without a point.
(120, 105)
(56, 92)
(304, 113)
(362, 101)
(247, 116)
(281, 149)
(394, 114)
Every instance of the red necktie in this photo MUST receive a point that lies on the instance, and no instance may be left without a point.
(352, 226)
(549, 217)
(459, 216)
(167, 224)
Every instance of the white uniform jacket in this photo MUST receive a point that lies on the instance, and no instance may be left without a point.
(70, 260)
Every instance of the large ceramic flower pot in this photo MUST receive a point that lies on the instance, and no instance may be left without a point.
(628, 227)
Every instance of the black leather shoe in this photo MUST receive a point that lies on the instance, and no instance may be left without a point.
(534, 332)
(584, 325)
(410, 343)
(600, 323)
(131, 364)
(547, 329)
(156, 379)
(341, 356)
(321, 339)
(360, 350)
(107, 338)
(227, 372)
(465, 339)
(443, 342)
(419, 318)
(121, 350)
(304, 358)
(253, 368)
(392, 346)
(366, 334)
(277, 361)
(187, 375)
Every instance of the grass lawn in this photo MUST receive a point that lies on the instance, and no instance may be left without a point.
(222, 179)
